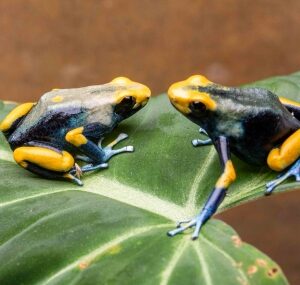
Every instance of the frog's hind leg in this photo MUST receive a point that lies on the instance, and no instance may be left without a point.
(294, 170)
(47, 162)
(11, 121)
(281, 158)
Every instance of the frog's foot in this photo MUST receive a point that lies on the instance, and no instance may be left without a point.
(78, 171)
(109, 152)
(294, 170)
(73, 178)
(198, 142)
(92, 167)
(202, 131)
(197, 222)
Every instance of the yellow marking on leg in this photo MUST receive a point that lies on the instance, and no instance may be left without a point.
(286, 101)
(75, 137)
(227, 177)
(57, 99)
(14, 115)
(282, 157)
(44, 157)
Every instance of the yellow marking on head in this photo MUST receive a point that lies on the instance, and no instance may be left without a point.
(44, 157)
(182, 94)
(55, 89)
(280, 158)
(199, 80)
(75, 137)
(122, 80)
(14, 115)
(227, 177)
(57, 99)
(140, 92)
(289, 102)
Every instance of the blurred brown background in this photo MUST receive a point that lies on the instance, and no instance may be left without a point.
(60, 44)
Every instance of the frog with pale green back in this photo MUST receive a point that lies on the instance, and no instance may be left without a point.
(67, 125)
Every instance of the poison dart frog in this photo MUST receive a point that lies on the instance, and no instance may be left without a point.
(67, 125)
(252, 123)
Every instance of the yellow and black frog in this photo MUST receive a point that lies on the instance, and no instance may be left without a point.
(252, 123)
(66, 125)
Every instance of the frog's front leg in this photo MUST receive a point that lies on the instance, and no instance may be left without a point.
(47, 161)
(216, 196)
(199, 142)
(109, 152)
(97, 155)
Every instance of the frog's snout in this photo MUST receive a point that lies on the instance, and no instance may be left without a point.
(179, 97)
(183, 93)
(139, 92)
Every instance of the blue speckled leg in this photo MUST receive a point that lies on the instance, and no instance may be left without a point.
(294, 170)
(199, 142)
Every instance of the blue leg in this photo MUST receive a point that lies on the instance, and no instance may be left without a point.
(210, 207)
(217, 195)
(294, 170)
(199, 142)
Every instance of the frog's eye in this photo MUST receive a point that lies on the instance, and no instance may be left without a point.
(198, 107)
(128, 100)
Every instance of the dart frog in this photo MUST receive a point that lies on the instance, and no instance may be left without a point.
(67, 125)
(252, 123)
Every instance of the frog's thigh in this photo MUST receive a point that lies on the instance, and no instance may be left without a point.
(15, 115)
(282, 157)
(44, 158)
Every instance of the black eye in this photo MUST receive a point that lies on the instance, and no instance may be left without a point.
(198, 107)
(128, 100)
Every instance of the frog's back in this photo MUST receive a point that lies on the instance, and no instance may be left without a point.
(60, 110)
(266, 124)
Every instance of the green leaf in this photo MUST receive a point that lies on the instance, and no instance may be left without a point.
(113, 230)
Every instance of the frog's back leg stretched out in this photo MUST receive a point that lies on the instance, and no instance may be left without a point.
(46, 161)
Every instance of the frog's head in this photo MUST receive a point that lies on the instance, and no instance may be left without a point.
(192, 96)
(129, 97)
